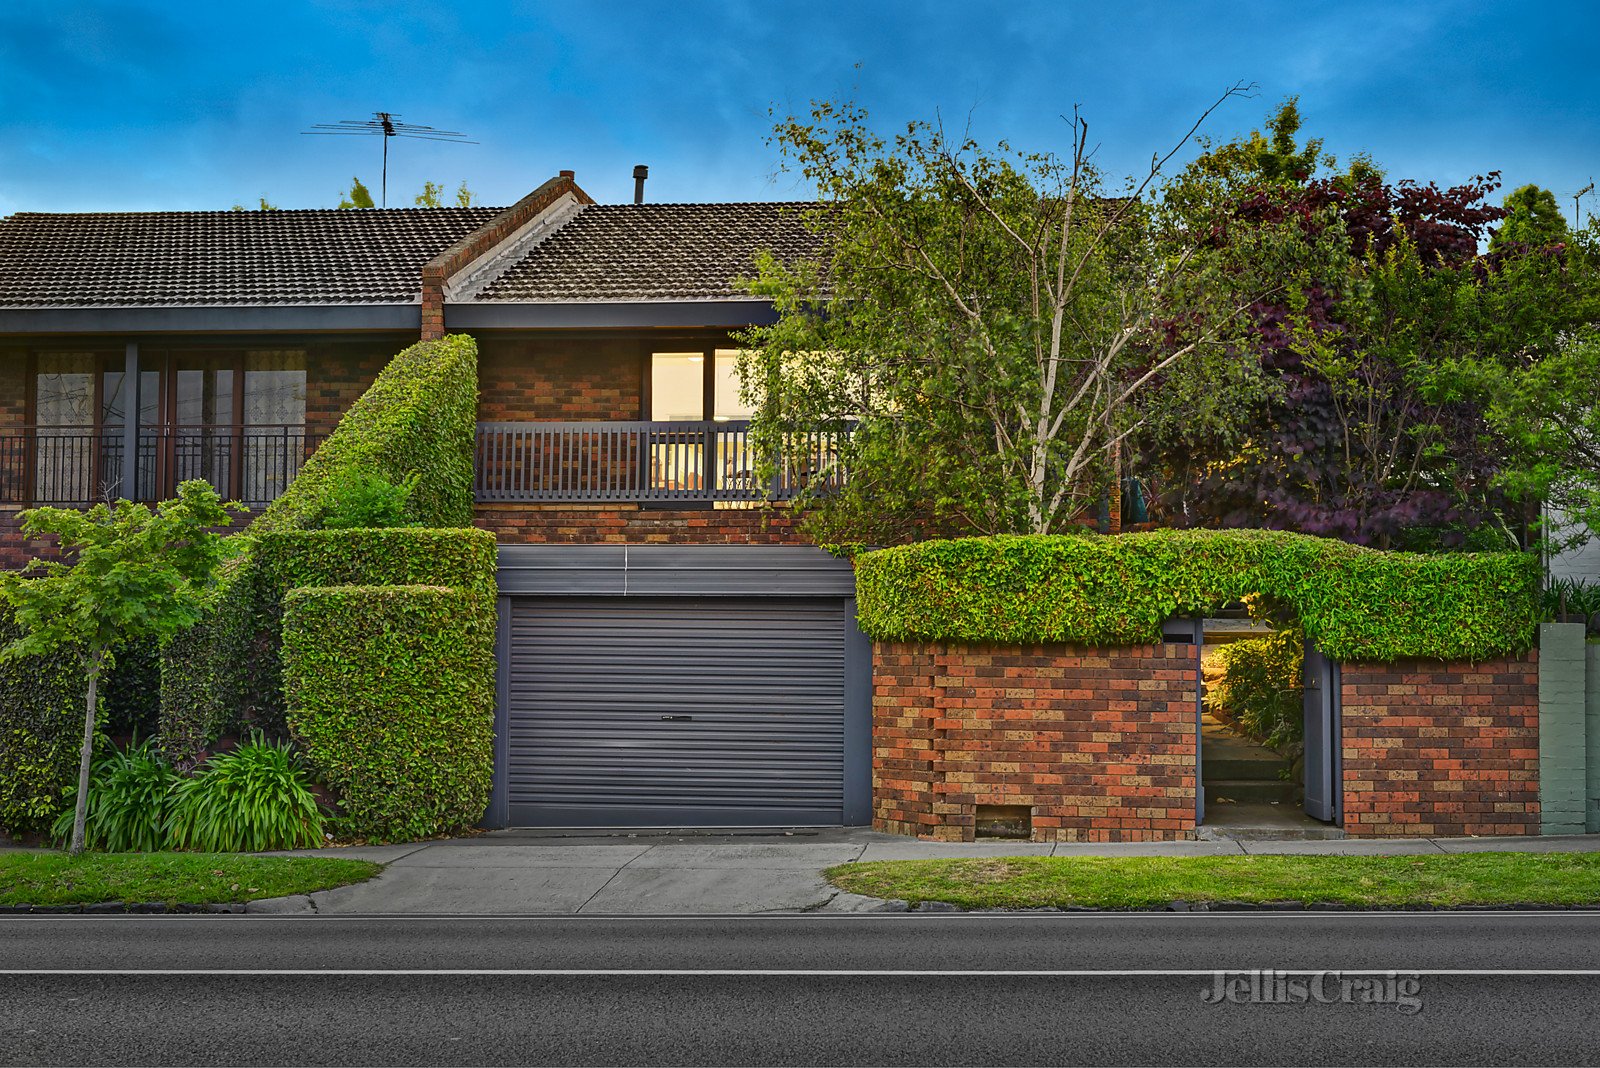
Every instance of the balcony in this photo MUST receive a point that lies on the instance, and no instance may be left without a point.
(688, 464)
(74, 467)
(698, 464)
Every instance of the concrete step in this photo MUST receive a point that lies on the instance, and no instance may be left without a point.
(1246, 790)
(1225, 765)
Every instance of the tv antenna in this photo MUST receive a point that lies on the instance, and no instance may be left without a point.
(386, 125)
(1576, 197)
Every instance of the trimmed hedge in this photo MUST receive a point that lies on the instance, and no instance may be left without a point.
(41, 728)
(230, 672)
(1354, 603)
(419, 419)
(390, 695)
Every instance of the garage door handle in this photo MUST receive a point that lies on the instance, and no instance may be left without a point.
(677, 717)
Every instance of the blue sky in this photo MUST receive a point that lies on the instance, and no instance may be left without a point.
(121, 106)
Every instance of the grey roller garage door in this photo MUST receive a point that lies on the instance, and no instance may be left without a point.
(646, 711)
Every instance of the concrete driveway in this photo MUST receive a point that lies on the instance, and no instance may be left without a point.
(525, 872)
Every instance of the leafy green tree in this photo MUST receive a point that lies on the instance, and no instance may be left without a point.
(993, 324)
(128, 573)
(357, 196)
(1548, 410)
(430, 197)
(1534, 221)
(262, 206)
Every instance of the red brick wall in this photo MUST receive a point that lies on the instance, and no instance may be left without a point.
(630, 523)
(1099, 743)
(567, 379)
(482, 240)
(1437, 749)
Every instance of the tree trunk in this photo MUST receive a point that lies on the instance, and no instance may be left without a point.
(86, 755)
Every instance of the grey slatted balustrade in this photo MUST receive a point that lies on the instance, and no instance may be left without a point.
(641, 462)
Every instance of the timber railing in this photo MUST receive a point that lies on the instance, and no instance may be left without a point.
(702, 462)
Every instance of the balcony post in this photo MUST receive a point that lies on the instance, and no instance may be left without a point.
(130, 423)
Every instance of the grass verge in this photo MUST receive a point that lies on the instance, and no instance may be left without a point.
(173, 878)
(1143, 882)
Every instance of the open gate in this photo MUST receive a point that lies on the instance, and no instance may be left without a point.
(1324, 772)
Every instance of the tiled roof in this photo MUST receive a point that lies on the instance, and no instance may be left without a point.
(649, 252)
(224, 257)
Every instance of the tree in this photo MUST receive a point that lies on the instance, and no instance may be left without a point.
(128, 573)
(1370, 433)
(1533, 220)
(357, 196)
(429, 197)
(261, 206)
(994, 324)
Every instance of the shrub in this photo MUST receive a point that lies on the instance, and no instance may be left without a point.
(132, 689)
(128, 797)
(390, 694)
(1573, 601)
(253, 798)
(41, 728)
(1354, 603)
(1260, 687)
(416, 423)
(311, 558)
(361, 500)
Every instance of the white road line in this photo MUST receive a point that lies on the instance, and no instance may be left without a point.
(809, 973)
(1251, 915)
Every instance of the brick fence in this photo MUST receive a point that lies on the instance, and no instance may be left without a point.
(1440, 749)
(1099, 744)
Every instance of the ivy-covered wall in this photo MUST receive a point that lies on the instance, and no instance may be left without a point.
(1355, 604)
(41, 727)
(390, 693)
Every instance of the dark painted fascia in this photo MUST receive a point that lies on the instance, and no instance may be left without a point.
(600, 315)
(212, 319)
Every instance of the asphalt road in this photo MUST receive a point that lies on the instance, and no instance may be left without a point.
(872, 989)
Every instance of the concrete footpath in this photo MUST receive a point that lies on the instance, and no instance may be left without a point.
(523, 872)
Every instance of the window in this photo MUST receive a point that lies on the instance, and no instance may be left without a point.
(235, 419)
(699, 388)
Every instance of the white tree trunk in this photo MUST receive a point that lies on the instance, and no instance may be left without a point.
(86, 754)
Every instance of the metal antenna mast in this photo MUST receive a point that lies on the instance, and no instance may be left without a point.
(1576, 197)
(385, 124)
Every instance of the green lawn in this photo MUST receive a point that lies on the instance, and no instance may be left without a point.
(175, 878)
(1141, 882)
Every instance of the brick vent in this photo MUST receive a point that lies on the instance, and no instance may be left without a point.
(1438, 749)
(1099, 743)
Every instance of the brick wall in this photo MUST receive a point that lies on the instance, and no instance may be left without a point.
(630, 523)
(559, 379)
(1099, 743)
(1436, 748)
(439, 271)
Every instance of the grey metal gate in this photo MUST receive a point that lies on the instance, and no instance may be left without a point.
(642, 711)
(1324, 774)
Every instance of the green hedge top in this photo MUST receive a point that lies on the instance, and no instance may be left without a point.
(400, 556)
(1355, 603)
(419, 417)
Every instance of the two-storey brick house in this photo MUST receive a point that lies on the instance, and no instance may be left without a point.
(672, 652)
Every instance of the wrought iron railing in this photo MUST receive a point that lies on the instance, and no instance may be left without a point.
(78, 466)
(644, 462)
